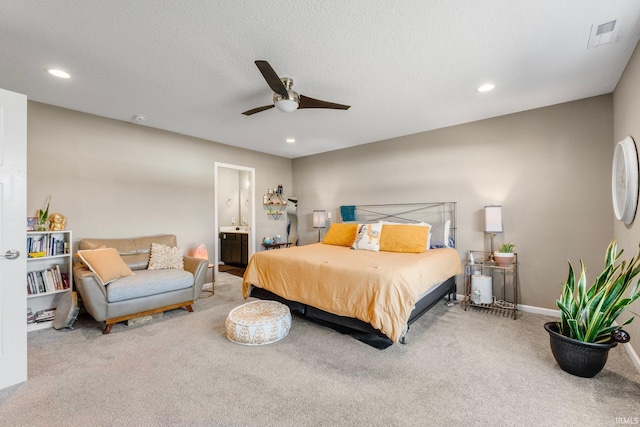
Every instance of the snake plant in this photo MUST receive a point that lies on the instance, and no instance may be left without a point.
(588, 315)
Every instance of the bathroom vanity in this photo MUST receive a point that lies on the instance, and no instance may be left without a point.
(234, 247)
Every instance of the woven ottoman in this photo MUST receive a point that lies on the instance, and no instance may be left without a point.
(258, 323)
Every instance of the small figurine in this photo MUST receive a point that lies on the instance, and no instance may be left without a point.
(57, 222)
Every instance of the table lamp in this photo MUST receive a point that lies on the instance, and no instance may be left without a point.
(492, 222)
(319, 221)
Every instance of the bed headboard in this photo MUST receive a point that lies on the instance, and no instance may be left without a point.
(435, 213)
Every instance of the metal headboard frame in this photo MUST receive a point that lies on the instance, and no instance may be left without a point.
(432, 213)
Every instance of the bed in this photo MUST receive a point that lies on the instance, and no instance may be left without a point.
(374, 295)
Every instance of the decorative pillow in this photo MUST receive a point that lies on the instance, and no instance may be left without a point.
(440, 235)
(368, 237)
(341, 234)
(165, 257)
(406, 238)
(106, 263)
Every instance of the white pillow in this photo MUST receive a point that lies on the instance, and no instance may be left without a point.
(440, 235)
(165, 257)
(368, 237)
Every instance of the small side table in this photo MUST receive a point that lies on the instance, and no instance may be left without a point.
(508, 273)
(275, 245)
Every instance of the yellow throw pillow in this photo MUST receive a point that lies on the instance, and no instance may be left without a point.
(341, 234)
(105, 263)
(404, 238)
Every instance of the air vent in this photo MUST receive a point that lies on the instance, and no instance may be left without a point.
(604, 33)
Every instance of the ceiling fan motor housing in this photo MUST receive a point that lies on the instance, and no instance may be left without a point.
(289, 103)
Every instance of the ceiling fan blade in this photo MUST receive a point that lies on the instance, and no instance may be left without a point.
(272, 78)
(306, 102)
(257, 110)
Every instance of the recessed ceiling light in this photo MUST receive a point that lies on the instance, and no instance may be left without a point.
(290, 140)
(59, 73)
(486, 87)
(139, 117)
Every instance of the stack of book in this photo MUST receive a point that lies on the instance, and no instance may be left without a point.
(47, 243)
(45, 315)
(49, 280)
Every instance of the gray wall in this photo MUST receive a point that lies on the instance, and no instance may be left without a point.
(626, 121)
(118, 179)
(549, 168)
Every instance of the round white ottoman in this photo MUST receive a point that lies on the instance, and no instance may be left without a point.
(258, 322)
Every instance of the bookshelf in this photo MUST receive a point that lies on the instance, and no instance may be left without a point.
(49, 274)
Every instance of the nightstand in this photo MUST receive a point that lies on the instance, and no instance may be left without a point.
(501, 281)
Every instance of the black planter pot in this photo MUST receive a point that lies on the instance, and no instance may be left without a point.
(583, 359)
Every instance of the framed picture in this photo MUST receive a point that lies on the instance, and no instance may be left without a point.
(32, 222)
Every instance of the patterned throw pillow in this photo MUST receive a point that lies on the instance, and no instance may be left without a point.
(165, 257)
(368, 237)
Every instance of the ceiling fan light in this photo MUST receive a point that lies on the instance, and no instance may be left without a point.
(286, 105)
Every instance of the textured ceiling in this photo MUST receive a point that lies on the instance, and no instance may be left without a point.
(403, 66)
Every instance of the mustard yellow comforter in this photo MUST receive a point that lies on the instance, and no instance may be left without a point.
(379, 288)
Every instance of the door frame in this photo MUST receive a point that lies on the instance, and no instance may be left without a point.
(216, 221)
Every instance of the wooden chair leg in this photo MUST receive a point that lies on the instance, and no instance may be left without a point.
(107, 328)
(188, 307)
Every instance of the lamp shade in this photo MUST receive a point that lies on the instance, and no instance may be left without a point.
(493, 219)
(319, 219)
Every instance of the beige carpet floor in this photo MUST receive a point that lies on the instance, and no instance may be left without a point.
(458, 368)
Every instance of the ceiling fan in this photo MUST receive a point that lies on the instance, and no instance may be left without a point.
(284, 98)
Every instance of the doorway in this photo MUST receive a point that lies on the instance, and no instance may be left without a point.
(234, 205)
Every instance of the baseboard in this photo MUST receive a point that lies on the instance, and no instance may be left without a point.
(556, 313)
(539, 310)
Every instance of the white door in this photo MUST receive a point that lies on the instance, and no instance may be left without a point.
(13, 214)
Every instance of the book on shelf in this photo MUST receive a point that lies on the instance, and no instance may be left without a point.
(47, 243)
(49, 280)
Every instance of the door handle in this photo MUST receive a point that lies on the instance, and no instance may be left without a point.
(10, 254)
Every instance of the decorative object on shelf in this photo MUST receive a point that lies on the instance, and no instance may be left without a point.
(32, 223)
(492, 222)
(624, 180)
(43, 215)
(504, 255)
(319, 221)
(580, 342)
(267, 240)
(482, 289)
(57, 222)
(275, 202)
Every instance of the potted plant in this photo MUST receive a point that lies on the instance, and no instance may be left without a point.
(580, 342)
(504, 255)
(43, 215)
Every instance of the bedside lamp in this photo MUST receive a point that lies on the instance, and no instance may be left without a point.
(319, 221)
(492, 222)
